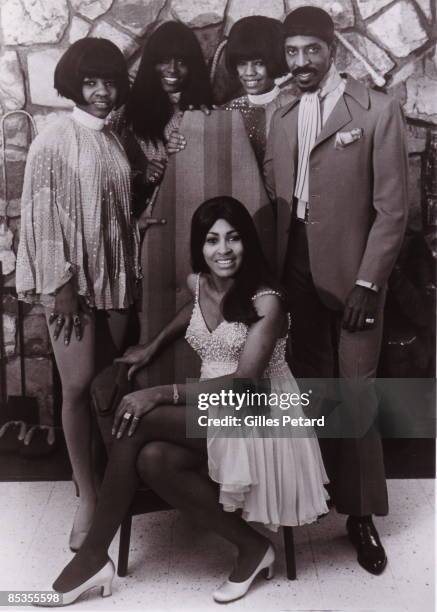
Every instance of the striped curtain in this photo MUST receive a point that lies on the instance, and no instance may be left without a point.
(218, 160)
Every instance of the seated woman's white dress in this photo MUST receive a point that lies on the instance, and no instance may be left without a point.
(274, 480)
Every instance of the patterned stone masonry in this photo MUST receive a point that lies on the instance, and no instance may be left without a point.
(397, 38)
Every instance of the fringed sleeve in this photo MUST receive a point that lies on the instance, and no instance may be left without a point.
(43, 264)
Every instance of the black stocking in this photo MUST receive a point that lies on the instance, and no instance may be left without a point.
(119, 485)
(174, 473)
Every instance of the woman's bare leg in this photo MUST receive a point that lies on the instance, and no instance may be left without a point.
(119, 486)
(75, 364)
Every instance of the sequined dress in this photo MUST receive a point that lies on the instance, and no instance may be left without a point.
(152, 151)
(75, 216)
(274, 480)
(257, 112)
(140, 150)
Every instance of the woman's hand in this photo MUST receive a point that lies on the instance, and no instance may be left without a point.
(137, 357)
(155, 171)
(66, 313)
(144, 221)
(206, 110)
(131, 408)
(175, 143)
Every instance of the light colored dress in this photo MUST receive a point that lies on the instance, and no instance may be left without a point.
(274, 480)
(76, 216)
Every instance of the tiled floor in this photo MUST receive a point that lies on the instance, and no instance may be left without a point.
(174, 568)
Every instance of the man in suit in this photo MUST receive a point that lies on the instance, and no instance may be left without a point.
(336, 168)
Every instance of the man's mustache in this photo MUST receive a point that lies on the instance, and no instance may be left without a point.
(298, 71)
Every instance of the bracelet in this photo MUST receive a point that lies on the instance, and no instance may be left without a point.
(175, 394)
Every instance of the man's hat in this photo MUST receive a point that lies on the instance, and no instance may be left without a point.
(310, 21)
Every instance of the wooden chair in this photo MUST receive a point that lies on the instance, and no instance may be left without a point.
(146, 501)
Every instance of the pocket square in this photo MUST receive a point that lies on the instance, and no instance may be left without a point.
(343, 139)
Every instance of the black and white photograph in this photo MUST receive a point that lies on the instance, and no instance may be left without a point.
(218, 283)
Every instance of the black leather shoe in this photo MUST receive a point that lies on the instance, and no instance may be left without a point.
(363, 535)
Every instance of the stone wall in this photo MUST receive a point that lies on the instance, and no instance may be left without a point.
(397, 38)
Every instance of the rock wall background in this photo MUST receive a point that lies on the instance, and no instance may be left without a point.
(397, 37)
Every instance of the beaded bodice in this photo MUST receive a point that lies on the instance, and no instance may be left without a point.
(257, 116)
(220, 349)
(254, 118)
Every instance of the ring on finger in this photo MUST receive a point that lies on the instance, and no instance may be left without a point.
(370, 320)
(76, 320)
(135, 418)
(60, 319)
(127, 416)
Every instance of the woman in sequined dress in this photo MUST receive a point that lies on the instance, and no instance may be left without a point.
(172, 78)
(78, 250)
(237, 321)
(254, 57)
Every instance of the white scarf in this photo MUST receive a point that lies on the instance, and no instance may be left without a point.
(309, 127)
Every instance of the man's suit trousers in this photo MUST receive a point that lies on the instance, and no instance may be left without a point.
(320, 348)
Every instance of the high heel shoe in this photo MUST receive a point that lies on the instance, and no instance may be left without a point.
(103, 579)
(229, 591)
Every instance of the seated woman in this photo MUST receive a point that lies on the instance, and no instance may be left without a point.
(172, 77)
(78, 251)
(254, 55)
(238, 323)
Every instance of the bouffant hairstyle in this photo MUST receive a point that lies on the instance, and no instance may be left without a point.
(91, 57)
(254, 272)
(257, 37)
(149, 108)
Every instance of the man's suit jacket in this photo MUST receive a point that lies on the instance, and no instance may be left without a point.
(357, 193)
